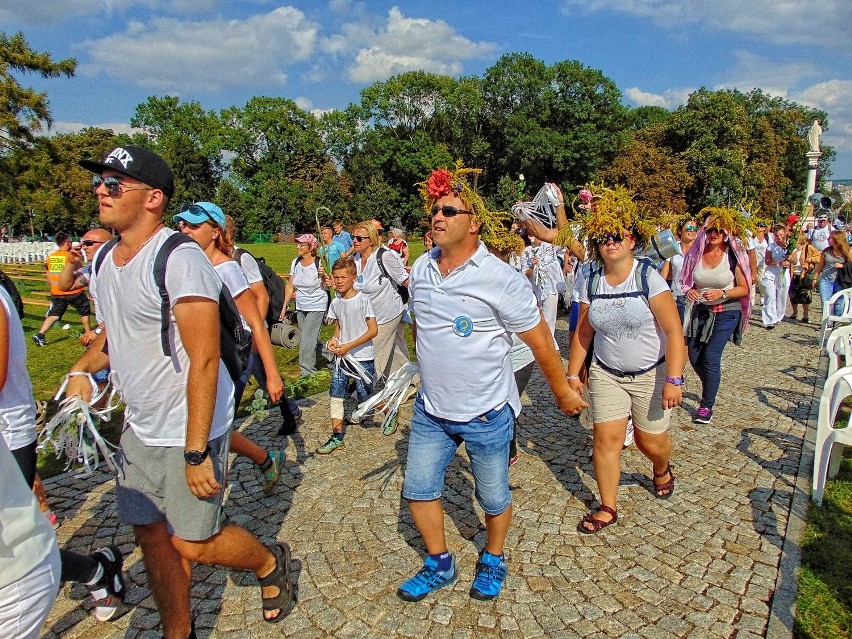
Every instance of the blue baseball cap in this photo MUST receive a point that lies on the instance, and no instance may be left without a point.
(201, 212)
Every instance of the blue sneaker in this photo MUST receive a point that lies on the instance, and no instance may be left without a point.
(490, 575)
(427, 579)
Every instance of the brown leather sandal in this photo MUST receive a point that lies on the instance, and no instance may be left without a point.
(597, 524)
(669, 485)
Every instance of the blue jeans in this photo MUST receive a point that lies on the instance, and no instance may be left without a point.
(706, 357)
(432, 445)
(340, 381)
(826, 290)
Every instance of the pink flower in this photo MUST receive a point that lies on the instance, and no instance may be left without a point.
(585, 195)
(440, 183)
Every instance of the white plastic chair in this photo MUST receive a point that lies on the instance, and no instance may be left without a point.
(828, 318)
(839, 348)
(837, 388)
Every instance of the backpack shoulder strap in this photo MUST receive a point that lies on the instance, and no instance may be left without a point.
(238, 254)
(642, 269)
(317, 263)
(594, 281)
(380, 254)
(293, 265)
(101, 256)
(171, 243)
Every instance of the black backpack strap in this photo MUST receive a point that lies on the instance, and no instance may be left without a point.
(381, 264)
(171, 243)
(642, 285)
(594, 281)
(101, 256)
(238, 255)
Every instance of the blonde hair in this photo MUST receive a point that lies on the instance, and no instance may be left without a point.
(369, 228)
(842, 244)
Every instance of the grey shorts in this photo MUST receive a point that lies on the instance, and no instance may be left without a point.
(151, 487)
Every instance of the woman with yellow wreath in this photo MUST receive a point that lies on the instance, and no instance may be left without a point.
(627, 313)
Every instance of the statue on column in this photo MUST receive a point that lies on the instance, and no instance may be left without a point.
(814, 134)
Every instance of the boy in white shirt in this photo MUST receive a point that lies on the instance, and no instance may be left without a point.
(352, 345)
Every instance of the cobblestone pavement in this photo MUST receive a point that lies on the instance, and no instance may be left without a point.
(702, 564)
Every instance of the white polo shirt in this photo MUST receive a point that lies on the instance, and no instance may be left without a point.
(464, 326)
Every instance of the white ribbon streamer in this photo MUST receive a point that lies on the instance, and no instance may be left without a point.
(542, 208)
(393, 394)
(67, 432)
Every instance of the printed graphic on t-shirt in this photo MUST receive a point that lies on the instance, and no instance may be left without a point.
(614, 320)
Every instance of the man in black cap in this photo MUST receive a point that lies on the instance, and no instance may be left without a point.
(174, 448)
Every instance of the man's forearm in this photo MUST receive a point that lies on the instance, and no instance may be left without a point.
(200, 401)
(95, 358)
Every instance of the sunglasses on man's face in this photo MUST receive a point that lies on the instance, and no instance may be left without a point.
(114, 186)
(448, 211)
(90, 242)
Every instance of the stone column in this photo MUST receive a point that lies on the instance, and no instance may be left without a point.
(813, 163)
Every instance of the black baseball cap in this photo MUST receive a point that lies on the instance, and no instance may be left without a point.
(139, 163)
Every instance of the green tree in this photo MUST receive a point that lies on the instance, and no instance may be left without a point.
(23, 111)
(188, 138)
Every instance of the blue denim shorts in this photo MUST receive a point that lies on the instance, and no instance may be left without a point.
(432, 445)
(340, 381)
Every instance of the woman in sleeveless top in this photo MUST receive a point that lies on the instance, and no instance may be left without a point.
(715, 290)
(833, 258)
(804, 259)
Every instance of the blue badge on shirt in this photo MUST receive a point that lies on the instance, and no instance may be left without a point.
(462, 326)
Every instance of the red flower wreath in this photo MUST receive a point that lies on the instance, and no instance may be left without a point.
(440, 183)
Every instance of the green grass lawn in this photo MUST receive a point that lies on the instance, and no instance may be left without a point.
(824, 602)
(48, 365)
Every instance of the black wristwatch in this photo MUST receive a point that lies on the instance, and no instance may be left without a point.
(196, 457)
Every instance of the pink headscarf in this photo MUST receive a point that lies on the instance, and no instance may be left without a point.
(693, 255)
(309, 239)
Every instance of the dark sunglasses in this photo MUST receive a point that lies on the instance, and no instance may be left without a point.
(612, 238)
(195, 209)
(448, 211)
(114, 186)
(715, 231)
(689, 227)
(90, 242)
(360, 238)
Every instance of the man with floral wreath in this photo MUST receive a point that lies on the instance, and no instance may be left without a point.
(467, 301)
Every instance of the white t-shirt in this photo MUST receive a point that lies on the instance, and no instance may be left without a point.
(819, 237)
(627, 337)
(310, 295)
(234, 279)
(26, 537)
(17, 406)
(153, 386)
(380, 289)
(250, 267)
(351, 314)
(464, 326)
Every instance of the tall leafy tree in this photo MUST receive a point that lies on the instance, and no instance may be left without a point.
(24, 111)
(188, 138)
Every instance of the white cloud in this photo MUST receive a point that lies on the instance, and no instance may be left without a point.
(824, 24)
(771, 76)
(835, 98)
(669, 99)
(408, 44)
(35, 12)
(177, 56)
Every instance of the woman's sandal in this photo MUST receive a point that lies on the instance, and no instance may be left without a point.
(668, 486)
(596, 524)
(284, 601)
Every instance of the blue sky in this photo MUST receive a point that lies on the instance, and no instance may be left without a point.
(322, 53)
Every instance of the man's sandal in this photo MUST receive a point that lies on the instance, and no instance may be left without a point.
(596, 524)
(668, 486)
(284, 601)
